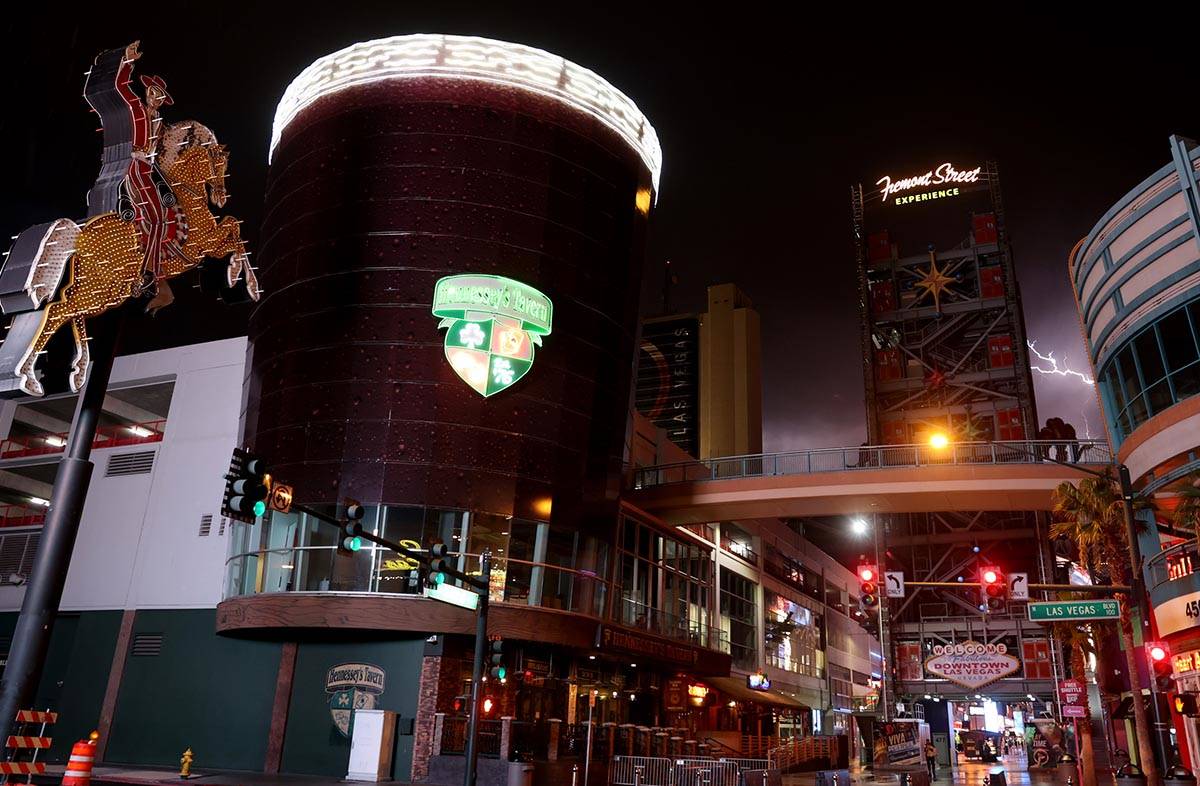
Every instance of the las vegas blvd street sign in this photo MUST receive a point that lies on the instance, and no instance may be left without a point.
(1074, 610)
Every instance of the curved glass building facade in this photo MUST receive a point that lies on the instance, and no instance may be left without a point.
(1136, 278)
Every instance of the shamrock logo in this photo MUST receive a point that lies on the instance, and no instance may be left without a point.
(471, 336)
(493, 324)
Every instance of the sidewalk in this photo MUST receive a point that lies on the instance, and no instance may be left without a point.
(967, 773)
(149, 777)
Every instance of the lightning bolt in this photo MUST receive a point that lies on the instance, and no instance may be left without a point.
(1054, 369)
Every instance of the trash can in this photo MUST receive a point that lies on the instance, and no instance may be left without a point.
(997, 779)
(520, 773)
(1179, 775)
(1130, 775)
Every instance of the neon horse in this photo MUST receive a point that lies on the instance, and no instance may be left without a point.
(105, 268)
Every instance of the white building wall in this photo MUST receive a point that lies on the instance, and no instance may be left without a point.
(139, 544)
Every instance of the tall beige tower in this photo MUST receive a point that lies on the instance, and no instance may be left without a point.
(730, 375)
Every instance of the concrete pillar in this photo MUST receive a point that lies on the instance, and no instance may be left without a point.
(643, 741)
(505, 737)
(628, 732)
(552, 739)
(439, 722)
(689, 749)
(676, 745)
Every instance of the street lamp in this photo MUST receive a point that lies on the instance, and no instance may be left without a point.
(939, 441)
(858, 526)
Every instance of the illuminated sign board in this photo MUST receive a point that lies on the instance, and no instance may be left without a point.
(1186, 663)
(1180, 565)
(758, 681)
(943, 182)
(493, 324)
(971, 664)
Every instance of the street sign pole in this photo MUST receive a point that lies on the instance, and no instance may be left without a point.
(472, 752)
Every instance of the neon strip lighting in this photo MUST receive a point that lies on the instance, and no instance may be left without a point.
(481, 59)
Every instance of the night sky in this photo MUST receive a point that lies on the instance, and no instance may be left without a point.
(765, 120)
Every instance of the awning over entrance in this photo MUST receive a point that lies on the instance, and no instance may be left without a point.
(737, 688)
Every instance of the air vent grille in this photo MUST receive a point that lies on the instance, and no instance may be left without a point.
(121, 464)
(205, 525)
(147, 645)
(224, 523)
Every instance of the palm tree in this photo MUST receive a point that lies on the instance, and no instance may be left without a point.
(1187, 508)
(1079, 640)
(1091, 515)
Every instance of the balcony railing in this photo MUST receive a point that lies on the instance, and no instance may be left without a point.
(807, 462)
(22, 516)
(380, 570)
(693, 631)
(49, 444)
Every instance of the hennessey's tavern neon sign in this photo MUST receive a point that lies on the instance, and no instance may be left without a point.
(945, 175)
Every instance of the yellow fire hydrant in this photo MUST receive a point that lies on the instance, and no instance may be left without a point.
(185, 764)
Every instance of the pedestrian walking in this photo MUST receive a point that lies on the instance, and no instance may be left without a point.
(931, 759)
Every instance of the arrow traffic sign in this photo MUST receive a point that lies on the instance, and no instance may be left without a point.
(1057, 611)
(893, 583)
(1018, 586)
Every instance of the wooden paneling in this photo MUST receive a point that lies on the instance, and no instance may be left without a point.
(295, 614)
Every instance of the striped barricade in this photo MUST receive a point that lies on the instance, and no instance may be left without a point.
(23, 742)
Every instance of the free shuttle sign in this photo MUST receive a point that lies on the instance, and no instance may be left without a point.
(971, 663)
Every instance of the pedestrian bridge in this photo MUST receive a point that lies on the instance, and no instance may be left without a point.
(966, 476)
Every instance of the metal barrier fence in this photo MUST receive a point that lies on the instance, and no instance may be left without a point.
(868, 457)
(658, 771)
(640, 771)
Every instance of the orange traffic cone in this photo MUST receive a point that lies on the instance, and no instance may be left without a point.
(79, 766)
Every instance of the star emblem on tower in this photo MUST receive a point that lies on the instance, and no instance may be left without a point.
(934, 282)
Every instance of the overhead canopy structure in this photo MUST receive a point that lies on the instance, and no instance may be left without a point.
(737, 688)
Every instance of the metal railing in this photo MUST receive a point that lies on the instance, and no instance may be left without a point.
(21, 516)
(380, 570)
(640, 615)
(873, 457)
(454, 734)
(50, 443)
(680, 771)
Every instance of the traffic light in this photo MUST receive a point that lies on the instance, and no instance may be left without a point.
(460, 704)
(992, 587)
(1185, 704)
(488, 705)
(1158, 658)
(868, 586)
(498, 671)
(247, 485)
(438, 564)
(350, 540)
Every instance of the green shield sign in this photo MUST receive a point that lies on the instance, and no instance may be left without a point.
(493, 324)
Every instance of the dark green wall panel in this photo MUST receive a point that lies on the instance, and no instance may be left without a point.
(207, 692)
(75, 674)
(312, 743)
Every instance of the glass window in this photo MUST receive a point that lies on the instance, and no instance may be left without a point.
(738, 619)
(1127, 371)
(1149, 357)
(664, 584)
(791, 636)
(1178, 340)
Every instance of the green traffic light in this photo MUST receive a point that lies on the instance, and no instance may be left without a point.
(260, 508)
(352, 544)
(439, 578)
(501, 672)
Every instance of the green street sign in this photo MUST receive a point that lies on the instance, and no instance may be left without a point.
(1058, 611)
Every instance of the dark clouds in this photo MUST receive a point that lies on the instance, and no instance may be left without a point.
(765, 120)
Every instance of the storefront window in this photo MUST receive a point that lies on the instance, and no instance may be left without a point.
(738, 618)
(791, 636)
(665, 583)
